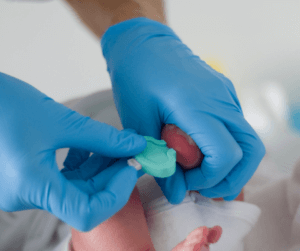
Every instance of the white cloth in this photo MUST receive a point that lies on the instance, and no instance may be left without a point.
(170, 224)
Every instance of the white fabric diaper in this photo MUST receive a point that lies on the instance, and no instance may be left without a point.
(170, 224)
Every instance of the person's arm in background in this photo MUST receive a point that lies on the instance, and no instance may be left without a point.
(99, 15)
(157, 80)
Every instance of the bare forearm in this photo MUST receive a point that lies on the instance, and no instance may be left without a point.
(99, 15)
(154, 9)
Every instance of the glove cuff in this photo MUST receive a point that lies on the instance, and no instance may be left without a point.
(123, 37)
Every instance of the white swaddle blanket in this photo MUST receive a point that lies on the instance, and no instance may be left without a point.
(170, 224)
(277, 228)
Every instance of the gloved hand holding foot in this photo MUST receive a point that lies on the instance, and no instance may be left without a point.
(32, 128)
(158, 80)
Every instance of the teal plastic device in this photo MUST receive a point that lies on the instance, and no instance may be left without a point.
(157, 159)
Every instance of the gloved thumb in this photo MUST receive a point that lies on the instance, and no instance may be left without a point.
(174, 187)
(85, 133)
(99, 198)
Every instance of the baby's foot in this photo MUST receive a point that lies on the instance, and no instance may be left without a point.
(194, 241)
(199, 239)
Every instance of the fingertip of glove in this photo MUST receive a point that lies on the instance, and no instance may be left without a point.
(175, 197)
(139, 142)
(132, 173)
(175, 200)
(230, 198)
(132, 143)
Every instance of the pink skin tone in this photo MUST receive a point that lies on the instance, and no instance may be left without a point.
(128, 230)
(200, 239)
(188, 154)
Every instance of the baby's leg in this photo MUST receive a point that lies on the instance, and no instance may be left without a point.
(126, 230)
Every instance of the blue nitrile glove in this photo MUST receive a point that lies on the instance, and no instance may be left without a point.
(79, 165)
(92, 174)
(158, 80)
(32, 127)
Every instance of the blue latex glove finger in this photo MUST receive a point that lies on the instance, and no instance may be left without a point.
(32, 128)
(75, 158)
(174, 187)
(92, 166)
(243, 171)
(108, 191)
(232, 197)
(221, 152)
(208, 194)
(157, 80)
(88, 168)
(99, 182)
(213, 195)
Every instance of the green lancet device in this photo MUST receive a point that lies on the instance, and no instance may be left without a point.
(157, 159)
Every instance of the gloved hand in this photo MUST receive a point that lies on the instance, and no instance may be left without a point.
(85, 171)
(32, 127)
(93, 174)
(158, 80)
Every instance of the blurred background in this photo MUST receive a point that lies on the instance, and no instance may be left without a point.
(255, 43)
